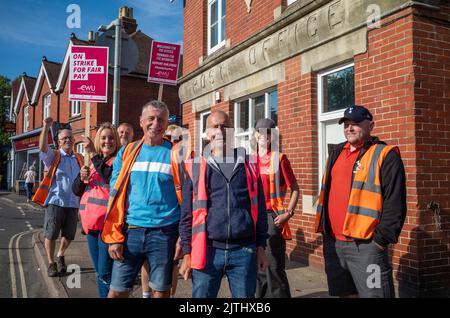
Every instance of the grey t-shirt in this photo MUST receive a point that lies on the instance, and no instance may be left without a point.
(226, 166)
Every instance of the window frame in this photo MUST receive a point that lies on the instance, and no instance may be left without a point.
(26, 118)
(202, 131)
(79, 146)
(72, 105)
(251, 105)
(46, 108)
(324, 118)
(220, 42)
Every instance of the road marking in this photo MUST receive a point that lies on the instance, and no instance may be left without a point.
(19, 263)
(11, 267)
(29, 225)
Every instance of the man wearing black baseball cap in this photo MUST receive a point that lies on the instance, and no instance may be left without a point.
(356, 114)
(361, 210)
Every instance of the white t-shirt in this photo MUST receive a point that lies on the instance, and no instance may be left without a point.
(30, 175)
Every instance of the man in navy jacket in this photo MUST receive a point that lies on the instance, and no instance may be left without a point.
(234, 245)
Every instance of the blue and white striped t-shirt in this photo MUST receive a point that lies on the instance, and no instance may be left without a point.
(152, 201)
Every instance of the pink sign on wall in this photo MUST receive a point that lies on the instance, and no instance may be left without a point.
(88, 76)
(164, 61)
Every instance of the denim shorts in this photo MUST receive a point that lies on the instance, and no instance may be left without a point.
(157, 245)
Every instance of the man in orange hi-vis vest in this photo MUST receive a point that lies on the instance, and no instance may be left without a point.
(143, 209)
(223, 226)
(55, 193)
(361, 209)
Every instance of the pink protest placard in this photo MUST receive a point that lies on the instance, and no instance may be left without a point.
(164, 61)
(88, 76)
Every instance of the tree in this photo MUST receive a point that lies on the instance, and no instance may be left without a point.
(5, 143)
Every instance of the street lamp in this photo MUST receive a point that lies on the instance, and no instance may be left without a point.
(117, 24)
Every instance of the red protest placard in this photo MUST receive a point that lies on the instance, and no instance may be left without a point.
(164, 62)
(88, 76)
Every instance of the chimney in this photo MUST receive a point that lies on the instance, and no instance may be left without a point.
(91, 38)
(129, 24)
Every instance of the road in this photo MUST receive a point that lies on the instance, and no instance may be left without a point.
(20, 275)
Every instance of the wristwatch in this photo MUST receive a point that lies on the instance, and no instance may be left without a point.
(291, 212)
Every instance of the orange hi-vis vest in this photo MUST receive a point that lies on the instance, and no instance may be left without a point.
(94, 201)
(278, 191)
(365, 204)
(44, 187)
(115, 215)
(197, 173)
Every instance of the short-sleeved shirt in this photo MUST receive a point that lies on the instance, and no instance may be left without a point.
(30, 176)
(341, 178)
(152, 200)
(60, 192)
(286, 177)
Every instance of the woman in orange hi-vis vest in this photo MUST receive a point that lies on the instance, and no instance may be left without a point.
(276, 176)
(92, 185)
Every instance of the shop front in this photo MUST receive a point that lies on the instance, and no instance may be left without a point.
(26, 154)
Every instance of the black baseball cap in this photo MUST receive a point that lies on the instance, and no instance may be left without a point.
(265, 123)
(356, 114)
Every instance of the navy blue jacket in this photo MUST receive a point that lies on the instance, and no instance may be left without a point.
(229, 223)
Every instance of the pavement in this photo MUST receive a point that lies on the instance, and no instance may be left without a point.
(80, 280)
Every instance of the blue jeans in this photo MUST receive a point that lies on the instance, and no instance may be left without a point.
(103, 263)
(157, 245)
(29, 188)
(239, 265)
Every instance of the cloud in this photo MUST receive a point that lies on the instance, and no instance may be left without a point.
(158, 8)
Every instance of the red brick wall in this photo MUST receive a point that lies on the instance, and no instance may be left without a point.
(297, 111)
(39, 107)
(403, 78)
(432, 113)
(241, 24)
(19, 120)
(384, 82)
(134, 94)
(194, 34)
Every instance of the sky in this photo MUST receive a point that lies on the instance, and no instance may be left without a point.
(31, 29)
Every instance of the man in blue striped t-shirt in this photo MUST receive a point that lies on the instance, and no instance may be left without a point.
(152, 209)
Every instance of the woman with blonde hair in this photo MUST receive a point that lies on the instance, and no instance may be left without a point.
(92, 185)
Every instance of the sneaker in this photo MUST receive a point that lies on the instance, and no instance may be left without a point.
(52, 270)
(28, 200)
(62, 268)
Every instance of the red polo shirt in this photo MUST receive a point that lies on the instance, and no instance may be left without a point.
(341, 177)
(286, 177)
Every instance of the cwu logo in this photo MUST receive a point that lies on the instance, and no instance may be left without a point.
(87, 88)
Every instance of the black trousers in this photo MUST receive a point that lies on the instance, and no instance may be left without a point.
(273, 283)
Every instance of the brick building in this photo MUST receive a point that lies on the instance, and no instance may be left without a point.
(300, 62)
(35, 99)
